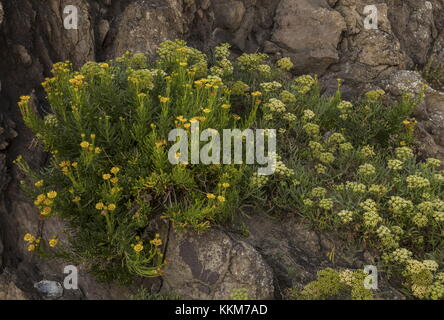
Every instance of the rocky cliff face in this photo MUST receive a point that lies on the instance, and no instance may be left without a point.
(327, 37)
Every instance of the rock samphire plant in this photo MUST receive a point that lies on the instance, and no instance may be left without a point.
(341, 166)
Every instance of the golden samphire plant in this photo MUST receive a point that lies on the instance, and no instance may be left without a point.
(342, 166)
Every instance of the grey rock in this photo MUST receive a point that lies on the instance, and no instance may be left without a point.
(23, 54)
(309, 32)
(8, 289)
(212, 265)
(49, 289)
(103, 30)
(144, 25)
(230, 13)
(2, 13)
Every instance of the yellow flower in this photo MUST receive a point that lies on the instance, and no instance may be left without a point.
(41, 198)
(256, 94)
(48, 202)
(183, 64)
(100, 205)
(111, 207)
(157, 242)
(225, 185)
(29, 238)
(84, 144)
(221, 198)
(76, 199)
(164, 99)
(236, 117)
(97, 150)
(115, 170)
(45, 211)
(226, 106)
(181, 119)
(211, 196)
(187, 125)
(206, 110)
(51, 194)
(160, 143)
(104, 65)
(75, 164)
(106, 176)
(65, 163)
(114, 180)
(141, 95)
(53, 242)
(39, 183)
(31, 247)
(138, 247)
(24, 100)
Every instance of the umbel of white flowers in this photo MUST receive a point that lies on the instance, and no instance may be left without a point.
(232, 140)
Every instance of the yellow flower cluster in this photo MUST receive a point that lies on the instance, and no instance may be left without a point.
(371, 219)
(258, 180)
(366, 170)
(346, 216)
(287, 97)
(311, 129)
(66, 165)
(285, 64)
(270, 86)
(388, 239)
(24, 101)
(345, 108)
(375, 95)
(156, 241)
(417, 182)
(326, 204)
(282, 170)
(395, 164)
(378, 189)
(304, 84)
(33, 243)
(400, 205)
(290, 117)
(276, 105)
(213, 196)
(45, 202)
(77, 80)
(105, 208)
(404, 153)
(308, 115)
(367, 151)
(318, 192)
(90, 146)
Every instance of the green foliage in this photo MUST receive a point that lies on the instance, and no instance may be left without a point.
(433, 73)
(333, 285)
(239, 294)
(341, 166)
(145, 294)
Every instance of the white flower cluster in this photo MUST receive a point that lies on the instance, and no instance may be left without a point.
(258, 180)
(282, 170)
(276, 105)
(401, 255)
(270, 86)
(290, 117)
(346, 216)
